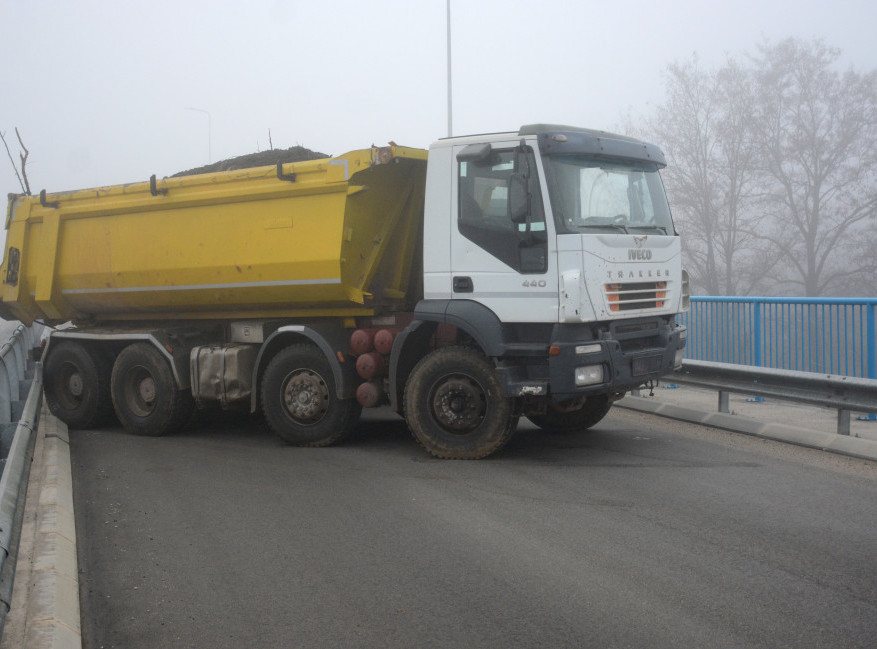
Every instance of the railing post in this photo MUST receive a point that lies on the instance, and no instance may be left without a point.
(872, 345)
(756, 357)
(872, 353)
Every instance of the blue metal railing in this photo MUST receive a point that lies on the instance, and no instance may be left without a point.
(827, 335)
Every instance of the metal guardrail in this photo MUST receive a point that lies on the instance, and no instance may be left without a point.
(830, 335)
(845, 393)
(21, 388)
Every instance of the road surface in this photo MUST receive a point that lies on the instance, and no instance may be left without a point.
(644, 532)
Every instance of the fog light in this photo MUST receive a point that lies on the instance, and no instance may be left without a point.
(589, 375)
(588, 349)
(677, 362)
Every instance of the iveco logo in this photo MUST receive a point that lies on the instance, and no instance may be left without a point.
(639, 254)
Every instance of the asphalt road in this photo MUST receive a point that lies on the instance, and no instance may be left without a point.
(642, 533)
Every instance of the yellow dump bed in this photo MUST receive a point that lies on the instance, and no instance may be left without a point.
(339, 236)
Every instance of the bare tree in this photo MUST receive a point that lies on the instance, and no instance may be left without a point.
(773, 175)
(817, 129)
(712, 176)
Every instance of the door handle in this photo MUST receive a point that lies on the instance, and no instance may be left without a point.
(463, 285)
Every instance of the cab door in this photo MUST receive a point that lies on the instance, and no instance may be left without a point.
(502, 258)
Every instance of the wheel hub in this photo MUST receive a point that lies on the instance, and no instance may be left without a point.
(306, 396)
(147, 389)
(75, 384)
(459, 405)
(139, 391)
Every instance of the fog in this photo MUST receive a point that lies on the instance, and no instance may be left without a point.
(102, 92)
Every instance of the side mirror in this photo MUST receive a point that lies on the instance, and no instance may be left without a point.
(519, 198)
(475, 153)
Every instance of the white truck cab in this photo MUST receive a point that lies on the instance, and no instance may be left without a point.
(555, 249)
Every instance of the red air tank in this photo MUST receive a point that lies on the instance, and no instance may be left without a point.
(369, 395)
(370, 365)
(362, 341)
(384, 341)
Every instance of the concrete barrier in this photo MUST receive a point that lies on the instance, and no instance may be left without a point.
(39, 589)
(45, 610)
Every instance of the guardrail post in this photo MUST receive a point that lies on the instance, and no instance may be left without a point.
(843, 422)
(724, 401)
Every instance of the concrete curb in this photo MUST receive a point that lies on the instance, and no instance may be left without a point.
(852, 446)
(45, 602)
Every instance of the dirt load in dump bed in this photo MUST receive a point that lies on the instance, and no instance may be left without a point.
(260, 159)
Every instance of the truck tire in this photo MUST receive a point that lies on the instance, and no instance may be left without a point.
(145, 394)
(299, 400)
(593, 410)
(455, 407)
(77, 385)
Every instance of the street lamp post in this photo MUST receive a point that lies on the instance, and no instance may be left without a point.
(209, 132)
(450, 111)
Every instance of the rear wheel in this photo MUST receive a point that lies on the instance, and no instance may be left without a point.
(455, 407)
(145, 393)
(557, 418)
(300, 402)
(77, 385)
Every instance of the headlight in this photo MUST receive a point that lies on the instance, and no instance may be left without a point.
(589, 374)
(588, 349)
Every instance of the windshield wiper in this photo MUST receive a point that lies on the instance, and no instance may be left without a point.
(603, 226)
(660, 228)
(602, 222)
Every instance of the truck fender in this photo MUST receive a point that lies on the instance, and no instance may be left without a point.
(410, 346)
(472, 317)
(475, 319)
(178, 359)
(332, 341)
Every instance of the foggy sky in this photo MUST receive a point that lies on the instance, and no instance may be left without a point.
(100, 90)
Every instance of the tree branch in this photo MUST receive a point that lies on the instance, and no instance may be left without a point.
(23, 157)
(12, 161)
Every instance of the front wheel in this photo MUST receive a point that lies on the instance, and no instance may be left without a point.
(567, 421)
(455, 407)
(145, 393)
(299, 399)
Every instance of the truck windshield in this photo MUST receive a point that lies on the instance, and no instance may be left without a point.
(596, 195)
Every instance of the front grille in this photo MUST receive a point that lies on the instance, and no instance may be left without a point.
(639, 344)
(637, 335)
(636, 295)
(646, 364)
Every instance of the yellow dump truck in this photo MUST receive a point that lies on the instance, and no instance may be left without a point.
(532, 273)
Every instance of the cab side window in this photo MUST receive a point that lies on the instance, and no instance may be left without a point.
(485, 217)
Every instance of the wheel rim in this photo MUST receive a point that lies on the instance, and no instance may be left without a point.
(305, 396)
(458, 403)
(139, 391)
(70, 386)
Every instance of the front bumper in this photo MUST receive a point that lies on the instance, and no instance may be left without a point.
(630, 354)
